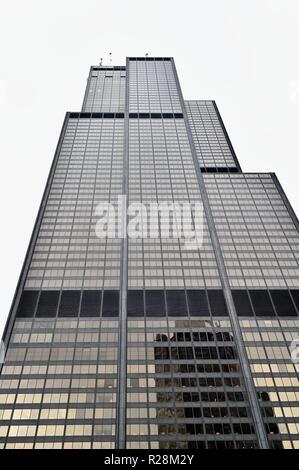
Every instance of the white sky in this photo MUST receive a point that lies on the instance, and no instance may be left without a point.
(243, 54)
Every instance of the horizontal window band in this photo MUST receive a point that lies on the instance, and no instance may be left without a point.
(96, 115)
(216, 169)
(68, 303)
(156, 116)
(110, 69)
(157, 303)
(121, 115)
(157, 59)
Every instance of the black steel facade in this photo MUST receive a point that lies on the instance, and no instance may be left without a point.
(139, 343)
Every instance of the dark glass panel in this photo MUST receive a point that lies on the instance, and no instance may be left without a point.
(111, 303)
(91, 303)
(69, 303)
(27, 304)
(155, 303)
(176, 303)
(135, 303)
(217, 303)
(198, 304)
(242, 303)
(283, 303)
(262, 303)
(47, 305)
(295, 295)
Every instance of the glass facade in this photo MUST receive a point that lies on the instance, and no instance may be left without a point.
(58, 384)
(67, 254)
(134, 343)
(105, 90)
(258, 238)
(161, 169)
(213, 147)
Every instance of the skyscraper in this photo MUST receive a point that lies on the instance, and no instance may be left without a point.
(125, 342)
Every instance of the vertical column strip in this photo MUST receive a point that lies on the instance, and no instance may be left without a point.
(122, 337)
(244, 363)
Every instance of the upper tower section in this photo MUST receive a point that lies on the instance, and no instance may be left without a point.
(213, 146)
(152, 85)
(105, 90)
(148, 87)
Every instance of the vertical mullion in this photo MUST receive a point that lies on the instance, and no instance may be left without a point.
(122, 338)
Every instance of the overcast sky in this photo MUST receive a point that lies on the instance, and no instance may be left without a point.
(244, 54)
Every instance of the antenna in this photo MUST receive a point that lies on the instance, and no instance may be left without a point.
(101, 62)
(110, 58)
